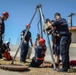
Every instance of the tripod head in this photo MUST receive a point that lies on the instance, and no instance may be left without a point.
(38, 6)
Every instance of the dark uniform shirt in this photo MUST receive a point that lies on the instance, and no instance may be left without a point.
(40, 51)
(62, 26)
(28, 36)
(2, 26)
(3, 48)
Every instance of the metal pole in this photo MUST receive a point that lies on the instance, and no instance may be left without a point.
(41, 30)
(9, 40)
(24, 36)
(70, 18)
(51, 51)
(38, 30)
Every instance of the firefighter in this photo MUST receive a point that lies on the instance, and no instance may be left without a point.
(40, 51)
(65, 40)
(6, 51)
(4, 17)
(5, 47)
(37, 39)
(25, 44)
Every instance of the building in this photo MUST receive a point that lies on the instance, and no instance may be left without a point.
(73, 31)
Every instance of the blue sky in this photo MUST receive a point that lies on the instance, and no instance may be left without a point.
(21, 12)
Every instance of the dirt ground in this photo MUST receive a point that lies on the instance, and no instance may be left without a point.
(38, 71)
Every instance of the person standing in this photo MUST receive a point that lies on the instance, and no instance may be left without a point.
(65, 40)
(25, 44)
(4, 17)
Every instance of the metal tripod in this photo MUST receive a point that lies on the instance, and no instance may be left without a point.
(39, 7)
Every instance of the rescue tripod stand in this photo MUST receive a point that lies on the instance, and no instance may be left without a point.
(42, 19)
(39, 8)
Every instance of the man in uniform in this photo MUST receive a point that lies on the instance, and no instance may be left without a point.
(65, 40)
(40, 51)
(25, 44)
(4, 17)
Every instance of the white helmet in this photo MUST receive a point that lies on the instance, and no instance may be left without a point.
(7, 42)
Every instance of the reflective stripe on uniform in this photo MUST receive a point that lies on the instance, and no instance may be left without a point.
(39, 58)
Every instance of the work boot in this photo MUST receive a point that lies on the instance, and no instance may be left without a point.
(22, 63)
(55, 64)
(0, 56)
(61, 70)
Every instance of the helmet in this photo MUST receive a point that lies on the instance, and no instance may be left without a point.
(6, 14)
(7, 42)
(27, 25)
(41, 41)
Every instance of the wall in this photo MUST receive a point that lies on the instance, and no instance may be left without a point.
(73, 36)
(72, 52)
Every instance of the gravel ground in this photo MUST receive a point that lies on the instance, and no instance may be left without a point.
(38, 71)
(45, 71)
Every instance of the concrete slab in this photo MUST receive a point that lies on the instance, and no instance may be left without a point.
(3, 72)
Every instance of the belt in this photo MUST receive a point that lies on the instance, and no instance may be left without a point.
(65, 35)
(39, 58)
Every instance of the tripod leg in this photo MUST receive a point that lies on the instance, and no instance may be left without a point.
(15, 54)
(42, 18)
(24, 36)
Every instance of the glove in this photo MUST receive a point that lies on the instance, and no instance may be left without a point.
(54, 34)
(58, 35)
(31, 45)
(48, 33)
(25, 42)
(37, 38)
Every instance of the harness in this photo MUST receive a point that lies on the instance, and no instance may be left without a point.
(40, 58)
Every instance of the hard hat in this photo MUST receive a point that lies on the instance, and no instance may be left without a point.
(41, 41)
(7, 42)
(6, 14)
(27, 25)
